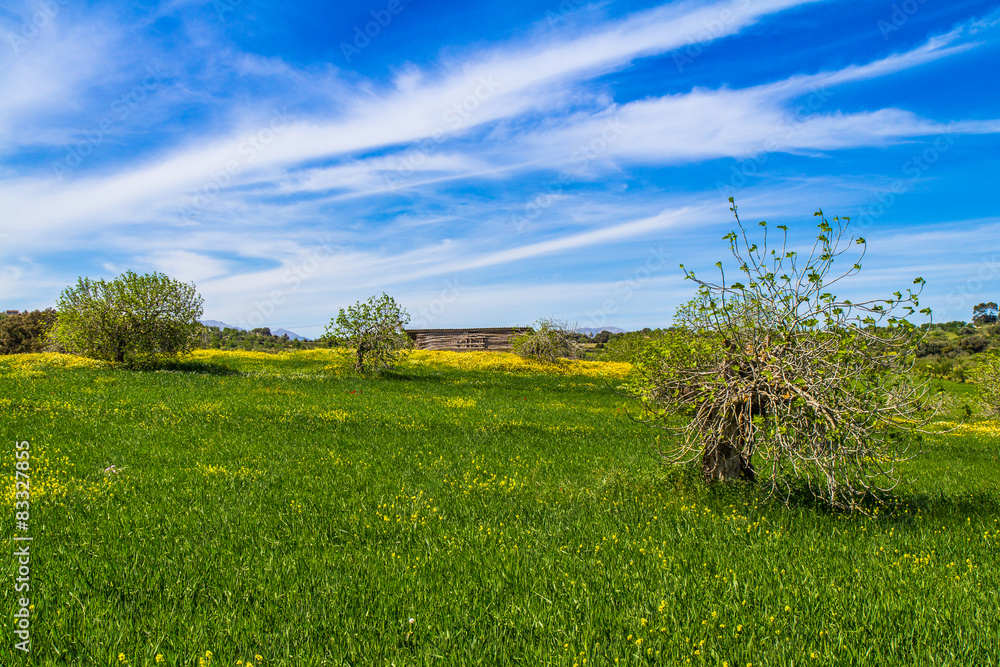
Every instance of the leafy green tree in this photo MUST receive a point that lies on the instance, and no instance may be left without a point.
(131, 319)
(986, 375)
(780, 379)
(374, 328)
(548, 340)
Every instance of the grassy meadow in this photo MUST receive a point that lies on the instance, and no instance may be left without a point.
(473, 509)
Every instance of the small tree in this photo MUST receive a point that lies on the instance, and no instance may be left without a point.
(779, 369)
(26, 332)
(374, 328)
(986, 375)
(130, 319)
(549, 340)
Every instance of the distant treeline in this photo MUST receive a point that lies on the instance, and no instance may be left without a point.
(258, 340)
(24, 332)
(949, 350)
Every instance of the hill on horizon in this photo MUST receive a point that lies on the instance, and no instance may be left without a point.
(291, 334)
(221, 325)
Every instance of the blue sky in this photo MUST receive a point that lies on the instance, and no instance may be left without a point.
(490, 163)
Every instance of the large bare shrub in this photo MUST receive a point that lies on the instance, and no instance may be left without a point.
(781, 380)
(548, 340)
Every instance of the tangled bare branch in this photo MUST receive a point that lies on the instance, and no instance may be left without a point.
(782, 380)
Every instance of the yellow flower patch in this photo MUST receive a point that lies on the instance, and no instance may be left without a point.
(338, 416)
(506, 362)
(459, 402)
(35, 365)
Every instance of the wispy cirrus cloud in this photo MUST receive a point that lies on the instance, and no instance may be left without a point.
(457, 97)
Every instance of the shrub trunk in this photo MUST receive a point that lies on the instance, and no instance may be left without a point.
(722, 459)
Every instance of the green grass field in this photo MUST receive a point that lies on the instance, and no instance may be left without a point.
(276, 510)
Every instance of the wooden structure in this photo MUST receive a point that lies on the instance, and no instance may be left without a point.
(497, 339)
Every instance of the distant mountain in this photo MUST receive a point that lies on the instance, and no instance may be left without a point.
(591, 331)
(291, 334)
(274, 332)
(222, 325)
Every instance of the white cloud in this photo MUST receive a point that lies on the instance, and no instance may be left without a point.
(705, 124)
(46, 77)
(497, 84)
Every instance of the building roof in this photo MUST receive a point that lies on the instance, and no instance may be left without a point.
(467, 330)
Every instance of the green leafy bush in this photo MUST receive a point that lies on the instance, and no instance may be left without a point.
(26, 332)
(630, 346)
